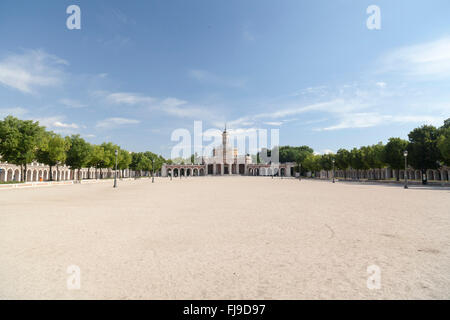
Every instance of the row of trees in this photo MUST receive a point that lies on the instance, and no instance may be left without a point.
(25, 141)
(428, 148)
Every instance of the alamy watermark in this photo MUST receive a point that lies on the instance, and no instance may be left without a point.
(216, 146)
(374, 20)
(74, 278)
(374, 279)
(74, 20)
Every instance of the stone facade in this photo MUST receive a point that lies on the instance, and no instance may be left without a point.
(226, 161)
(39, 172)
(442, 174)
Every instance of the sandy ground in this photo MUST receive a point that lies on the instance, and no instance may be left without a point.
(225, 238)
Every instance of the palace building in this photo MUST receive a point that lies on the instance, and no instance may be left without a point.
(225, 160)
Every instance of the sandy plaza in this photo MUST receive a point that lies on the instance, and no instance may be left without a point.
(225, 238)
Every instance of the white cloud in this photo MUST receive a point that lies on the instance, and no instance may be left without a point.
(128, 98)
(181, 108)
(207, 77)
(59, 124)
(421, 60)
(56, 122)
(16, 112)
(366, 120)
(115, 122)
(31, 70)
(381, 84)
(72, 103)
(274, 123)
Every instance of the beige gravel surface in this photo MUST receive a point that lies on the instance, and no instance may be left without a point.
(224, 238)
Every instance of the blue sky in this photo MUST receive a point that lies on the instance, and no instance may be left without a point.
(137, 70)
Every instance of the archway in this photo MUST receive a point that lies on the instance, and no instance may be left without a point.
(202, 172)
(283, 172)
(16, 176)
(195, 174)
(210, 168)
(175, 172)
(250, 171)
(29, 175)
(241, 168)
(9, 176)
(2, 174)
(35, 175)
(41, 177)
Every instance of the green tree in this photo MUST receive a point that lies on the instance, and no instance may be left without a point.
(423, 152)
(393, 154)
(96, 159)
(139, 162)
(53, 151)
(326, 162)
(357, 160)
(124, 160)
(343, 157)
(312, 163)
(78, 153)
(444, 145)
(19, 141)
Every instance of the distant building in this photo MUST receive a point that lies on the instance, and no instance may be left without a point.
(225, 160)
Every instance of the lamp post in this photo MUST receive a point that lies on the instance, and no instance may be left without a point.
(115, 170)
(333, 168)
(405, 154)
(153, 178)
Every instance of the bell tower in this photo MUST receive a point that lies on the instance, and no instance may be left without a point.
(224, 143)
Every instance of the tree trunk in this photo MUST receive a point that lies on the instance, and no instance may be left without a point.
(398, 174)
(50, 173)
(24, 173)
(57, 173)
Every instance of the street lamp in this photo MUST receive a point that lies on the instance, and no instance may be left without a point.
(333, 168)
(116, 152)
(405, 154)
(153, 178)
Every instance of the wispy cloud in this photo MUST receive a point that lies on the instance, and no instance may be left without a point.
(209, 78)
(420, 60)
(128, 98)
(366, 120)
(72, 103)
(110, 123)
(273, 123)
(31, 70)
(16, 112)
(171, 105)
(58, 124)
